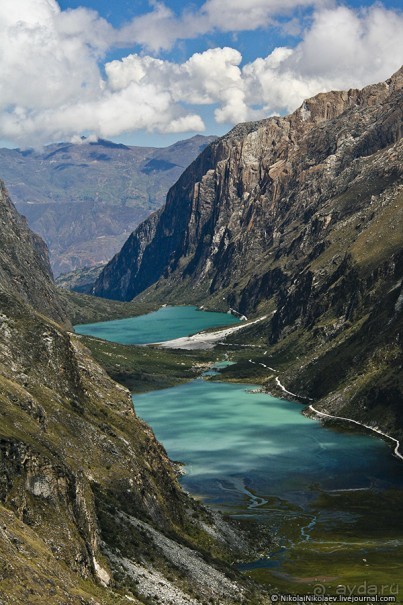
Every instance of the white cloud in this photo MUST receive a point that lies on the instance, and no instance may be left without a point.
(161, 28)
(51, 86)
(42, 63)
(156, 30)
(342, 49)
(204, 79)
(238, 15)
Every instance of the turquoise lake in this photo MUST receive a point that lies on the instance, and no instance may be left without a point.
(165, 324)
(238, 445)
(332, 499)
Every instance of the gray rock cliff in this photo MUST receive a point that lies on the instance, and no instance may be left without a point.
(300, 217)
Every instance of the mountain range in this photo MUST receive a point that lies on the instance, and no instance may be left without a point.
(294, 220)
(299, 218)
(91, 511)
(85, 199)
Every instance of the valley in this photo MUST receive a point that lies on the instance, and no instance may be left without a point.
(282, 242)
(85, 198)
(298, 219)
(90, 504)
(328, 495)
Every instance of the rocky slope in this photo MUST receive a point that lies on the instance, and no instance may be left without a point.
(24, 263)
(85, 199)
(90, 508)
(300, 216)
(80, 280)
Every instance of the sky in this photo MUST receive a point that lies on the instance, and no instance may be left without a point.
(151, 72)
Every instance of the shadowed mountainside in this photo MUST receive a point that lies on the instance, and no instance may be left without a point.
(91, 511)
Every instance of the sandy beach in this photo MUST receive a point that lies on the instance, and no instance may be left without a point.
(205, 340)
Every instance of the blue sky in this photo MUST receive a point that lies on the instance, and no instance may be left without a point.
(152, 72)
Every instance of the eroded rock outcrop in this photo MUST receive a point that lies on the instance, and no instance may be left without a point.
(237, 203)
(24, 262)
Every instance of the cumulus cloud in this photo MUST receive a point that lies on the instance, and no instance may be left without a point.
(341, 49)
(237, 15)
(202, 79)
(52, 86)
(39, 64)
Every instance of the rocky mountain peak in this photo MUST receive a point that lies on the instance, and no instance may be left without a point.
(300, 218)
(245, 188)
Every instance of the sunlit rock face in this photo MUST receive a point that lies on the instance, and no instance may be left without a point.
(302, 216)
(259, 204)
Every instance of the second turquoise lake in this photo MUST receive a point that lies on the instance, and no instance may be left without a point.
(165, 324)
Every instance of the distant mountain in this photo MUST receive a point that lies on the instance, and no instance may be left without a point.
(85, 199)
(299, 217)
(80, 280)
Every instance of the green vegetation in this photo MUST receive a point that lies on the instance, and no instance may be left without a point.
(82, 308)
(359, 554)
(73, 433)
(145, 368)
(31, 573)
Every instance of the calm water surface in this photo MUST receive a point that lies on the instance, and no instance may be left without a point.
(165, 324)
(233, 440)
(332, 500)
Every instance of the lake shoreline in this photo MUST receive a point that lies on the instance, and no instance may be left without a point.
(370, 428)
(204, 340)
(236, 453)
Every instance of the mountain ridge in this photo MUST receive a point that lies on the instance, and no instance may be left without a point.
(300, 217)
(321, 109)
(91, 510)
(24, 263)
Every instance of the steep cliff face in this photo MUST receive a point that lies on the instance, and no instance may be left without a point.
(301, 216)
(87, 494)
(247, 193)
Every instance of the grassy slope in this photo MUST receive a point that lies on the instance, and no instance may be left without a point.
(142, 369)
(75, 429)
(82, 308)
